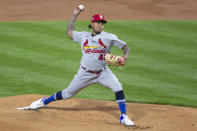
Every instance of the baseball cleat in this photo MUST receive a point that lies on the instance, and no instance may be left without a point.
(124, 119)
(38, 104)
(24, 108)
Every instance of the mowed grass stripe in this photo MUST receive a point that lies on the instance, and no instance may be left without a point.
(178, 51)
(26, 79)
(53, 43)
(30, 59)
(172, 69)
(157, 51)
(188, 64)
(174, 81)
(16, 86)
(169, 89)
(22, 76)
(33, 66)
(34, 29)
(159, 97)
(41, 44)
(168, 86)
(150, 34)
(151, 68)
(32, 46)
(166, 43)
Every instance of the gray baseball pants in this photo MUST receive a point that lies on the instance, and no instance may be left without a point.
(83, 79)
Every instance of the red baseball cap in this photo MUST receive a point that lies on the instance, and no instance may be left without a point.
(98, 17)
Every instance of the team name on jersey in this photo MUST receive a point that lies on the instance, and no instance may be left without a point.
(93, 49)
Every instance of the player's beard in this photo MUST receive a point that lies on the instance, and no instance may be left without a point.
(98, 32)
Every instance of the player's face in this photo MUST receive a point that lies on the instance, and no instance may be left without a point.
(97, 26)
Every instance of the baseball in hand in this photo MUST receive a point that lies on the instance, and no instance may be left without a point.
(81, 7)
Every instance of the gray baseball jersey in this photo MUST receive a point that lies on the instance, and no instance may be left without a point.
(94, 47)
(93, 50)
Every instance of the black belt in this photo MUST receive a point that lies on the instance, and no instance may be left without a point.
(94, 72)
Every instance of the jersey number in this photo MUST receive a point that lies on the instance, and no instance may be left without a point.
(101, 57)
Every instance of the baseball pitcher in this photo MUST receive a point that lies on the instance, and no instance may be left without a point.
(95, 47)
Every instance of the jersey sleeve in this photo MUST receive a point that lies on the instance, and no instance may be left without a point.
(117, 42)
(77, 36)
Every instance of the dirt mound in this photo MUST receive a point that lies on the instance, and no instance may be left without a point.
(12, 10)
(92, 115)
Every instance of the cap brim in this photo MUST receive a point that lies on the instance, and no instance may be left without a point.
(102, 21)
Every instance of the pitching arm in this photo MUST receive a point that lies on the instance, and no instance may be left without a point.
(71, 25)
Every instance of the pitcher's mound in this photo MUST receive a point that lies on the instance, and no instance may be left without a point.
(92, 115)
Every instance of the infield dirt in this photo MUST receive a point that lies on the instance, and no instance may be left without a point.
(94, 115)
(12, 10)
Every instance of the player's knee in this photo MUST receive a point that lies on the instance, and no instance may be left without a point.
(117, 89)
(66, 94)
(120, 96)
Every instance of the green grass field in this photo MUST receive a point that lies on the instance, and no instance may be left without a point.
(38, 58)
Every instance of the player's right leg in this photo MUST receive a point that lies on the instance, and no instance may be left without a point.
(81, 80)
(109, 80)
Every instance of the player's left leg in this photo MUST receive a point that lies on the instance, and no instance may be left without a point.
(109, 80)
